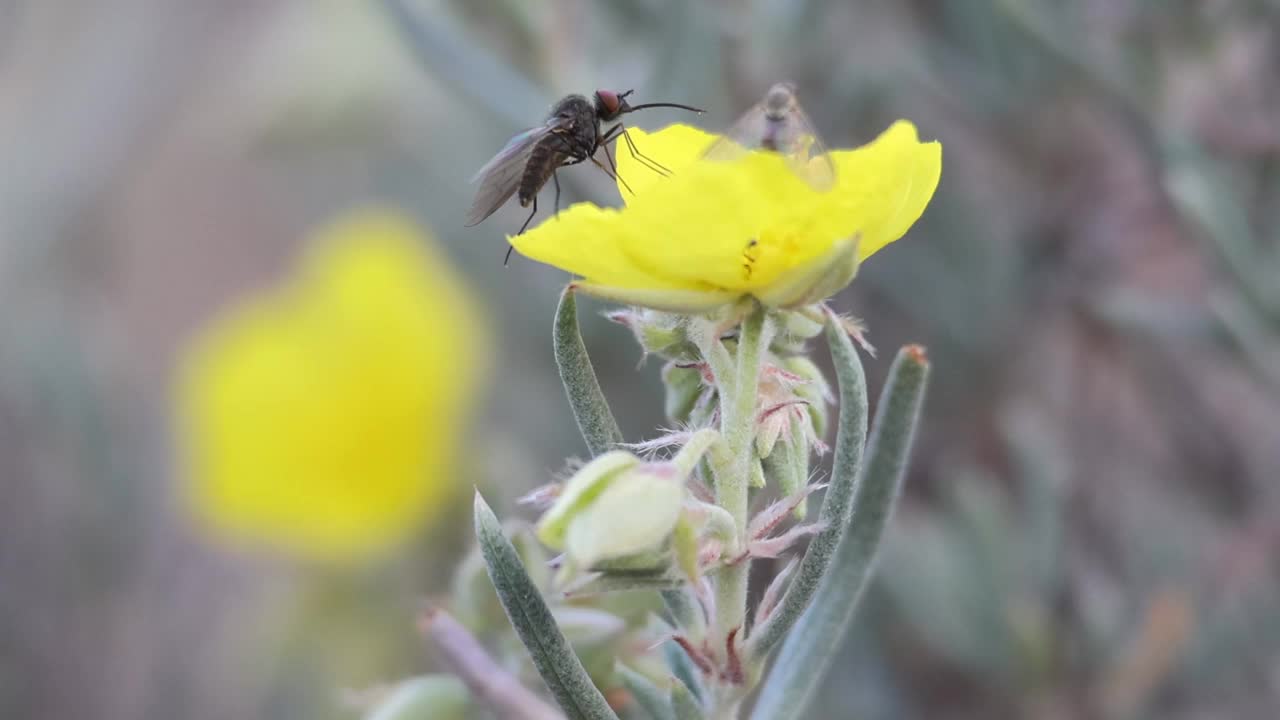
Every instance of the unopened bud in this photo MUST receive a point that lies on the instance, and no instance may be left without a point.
(582, 489)
(634, 514)
(662, 334)
(815, 391)
(684, 387)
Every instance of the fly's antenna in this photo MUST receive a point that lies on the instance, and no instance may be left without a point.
(690, 108)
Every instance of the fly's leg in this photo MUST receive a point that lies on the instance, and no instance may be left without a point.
(645, 159)
(621, 129)
(527, 220)
(530, 218)
(555, 177)
(614, 167)
(613, 174)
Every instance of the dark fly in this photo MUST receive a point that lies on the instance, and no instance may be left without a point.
(778, 123)
(572, 133)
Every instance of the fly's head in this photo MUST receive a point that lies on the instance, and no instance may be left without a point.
(611, 105)
(779, 100)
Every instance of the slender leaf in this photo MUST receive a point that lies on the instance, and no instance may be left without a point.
(683, 668)
(491, 683)
(624, 582)
(809, 648)
(555, 661)
(652, 700)
(686, 613)
(686, 706)
(590, 409)
(838, 504)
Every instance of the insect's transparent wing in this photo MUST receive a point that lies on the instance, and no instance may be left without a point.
(805, 151)
(745, 135)
(793, 137)
(500, 177)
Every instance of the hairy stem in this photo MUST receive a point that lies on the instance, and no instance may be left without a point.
(738, 429)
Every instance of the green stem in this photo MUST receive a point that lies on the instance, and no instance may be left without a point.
(738, 410)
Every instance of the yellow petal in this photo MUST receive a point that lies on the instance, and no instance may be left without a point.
(733, 225)
(322, 418)
(883, 187)
(718, 230)
(812, 281)
(583, 241)
(673, 147)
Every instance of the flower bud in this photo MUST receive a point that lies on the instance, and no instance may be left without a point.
(684, 387)
(582, 489)
(634, 514)
(795, 329)
(617, 508)
(815, 391)
(660, 333)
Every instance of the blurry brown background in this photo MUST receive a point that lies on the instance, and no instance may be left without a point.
(1093, 513)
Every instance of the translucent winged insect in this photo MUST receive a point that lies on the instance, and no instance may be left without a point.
(778, 123)
(571, 134)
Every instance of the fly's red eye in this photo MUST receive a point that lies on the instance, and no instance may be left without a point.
(608, 100)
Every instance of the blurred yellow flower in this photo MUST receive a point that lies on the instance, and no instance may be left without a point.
(717, 231)
(323, 418)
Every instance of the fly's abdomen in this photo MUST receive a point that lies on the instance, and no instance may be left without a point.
(542, 162)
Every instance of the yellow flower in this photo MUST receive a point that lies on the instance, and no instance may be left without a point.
(323, 418)
(717, 231)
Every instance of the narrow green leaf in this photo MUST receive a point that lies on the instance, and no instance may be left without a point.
(686, 706)
(590, 408)
(552, 657)
(686, 612)
(603, 584)
(683, 668)
(650, 699)
(810, 646)
(836, 506)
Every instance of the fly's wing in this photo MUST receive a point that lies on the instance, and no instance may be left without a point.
(792, 137)
(746, 134)
(806, 154)
(500, 177)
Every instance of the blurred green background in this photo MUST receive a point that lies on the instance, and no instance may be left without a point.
(1093, 513)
